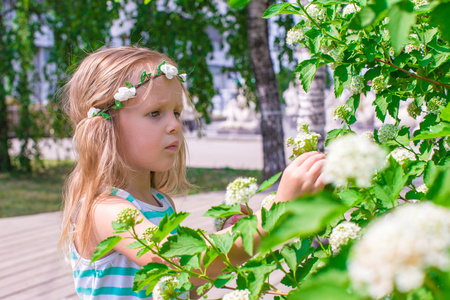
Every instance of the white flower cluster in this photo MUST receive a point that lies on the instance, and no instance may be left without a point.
(357, 85)
(316, 12)
(338, 58)
(342, 112)
(422, 189)
(402, 155)
(387, 133)
(240, 190)
(165, 286)
(93, 112)
(411, 47)
(305, 141)
(268, 201)
(237, 295)
(368, 135)
(419, 3)
(353, 158)
(296, 35)
(350, 9)
(125, 93)
(379, 84)
(397, 249)
(343, 233)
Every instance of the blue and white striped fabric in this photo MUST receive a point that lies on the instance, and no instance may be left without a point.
(111, 277)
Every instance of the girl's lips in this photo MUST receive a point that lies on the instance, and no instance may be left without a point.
(173, 146)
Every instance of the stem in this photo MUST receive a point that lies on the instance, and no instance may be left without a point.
(135, 236)
(412, 74)
(224, 257)
(268, 292)
(322, 246)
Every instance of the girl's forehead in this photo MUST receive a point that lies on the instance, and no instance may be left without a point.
(161, 90)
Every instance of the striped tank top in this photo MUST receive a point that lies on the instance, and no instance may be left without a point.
(111, 277)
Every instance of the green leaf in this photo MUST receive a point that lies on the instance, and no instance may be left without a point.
(268, 183)
(351, 197)
(342, 79)
(104, 247)
(168, 224)
(365, 17)
(223, 211)
(238, 3)
(305, 216)
(382, 103)
(314, 39)
(290, 257)
(280, 8)
(445, 113)
(332, 284)
(149, 275)
(186, 242)
(223, 242)
(401, 17)
(271, 217)
(142, 252)
(306, 70)
(439, 18)
(129, 84)
(257, 273)
(247, 229)
(145, 1)
(439, 189)
(334, 134)
(143, 75)
(435, 131)
(209, 257)
(134, 245)
(223, 279)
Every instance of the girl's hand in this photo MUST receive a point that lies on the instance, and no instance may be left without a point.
(235, 218)
(302, 176)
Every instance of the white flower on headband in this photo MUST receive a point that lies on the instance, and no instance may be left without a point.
(125, 93)
(169, 70)
(93, 112)
(183, 77)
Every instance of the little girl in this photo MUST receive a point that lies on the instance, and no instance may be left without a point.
(126, 105)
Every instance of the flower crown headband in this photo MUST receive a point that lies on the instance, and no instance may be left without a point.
(129, 91)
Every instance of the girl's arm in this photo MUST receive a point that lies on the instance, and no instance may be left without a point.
(302, 176)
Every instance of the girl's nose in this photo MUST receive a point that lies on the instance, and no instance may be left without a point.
(174, 125)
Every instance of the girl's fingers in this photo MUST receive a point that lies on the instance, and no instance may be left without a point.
(316, 169)
(302, 158)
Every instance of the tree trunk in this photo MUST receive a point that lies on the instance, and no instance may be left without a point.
(266, 89)
(5, 161)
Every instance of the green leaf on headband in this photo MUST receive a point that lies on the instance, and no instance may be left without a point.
(105, 115)
(143, 76)
(117, 105)
(129, 84)
(159, 68)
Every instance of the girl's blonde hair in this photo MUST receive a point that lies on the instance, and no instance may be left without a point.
(100, 165)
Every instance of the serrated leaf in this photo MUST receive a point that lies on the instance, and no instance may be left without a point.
(149, 275)
(280, 8)
(306, 71)
(223, 211)
(142, 252)
(439, 18)
(186, 242)
(290, 257)
(168, 224)
(238, 3)
(104, 247)
(351, 197)
(247, 229)
(401, 18)
(209, 257)
(268, 183)
(134, 245)
(223, 279)
(271, 217)
(435, 131)
(305, 216)
(223, 242)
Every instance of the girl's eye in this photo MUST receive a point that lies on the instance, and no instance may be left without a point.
(155, 114)
(177, 114)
